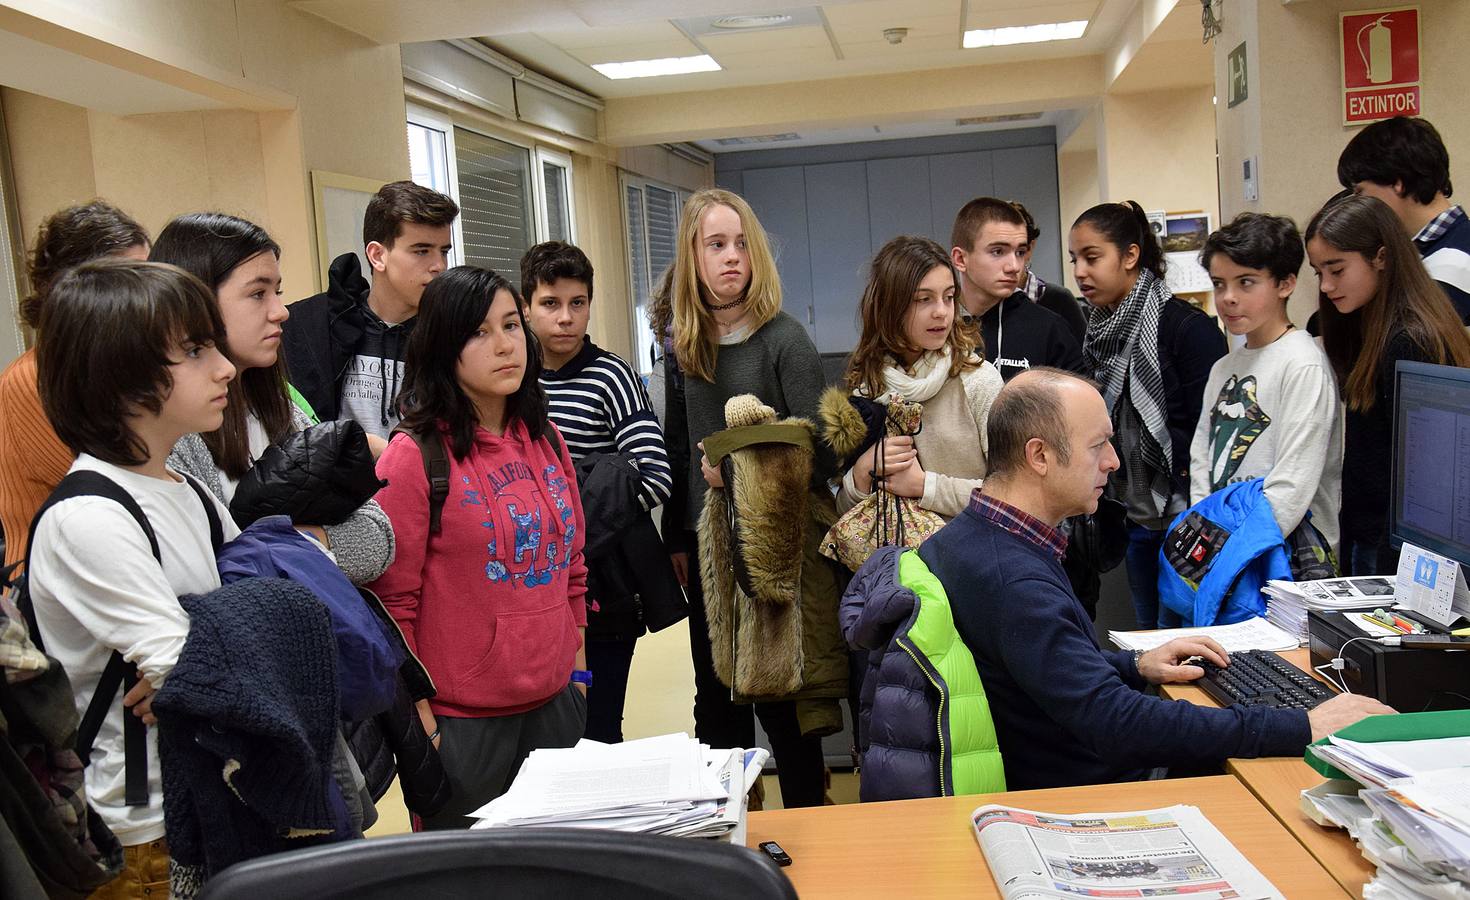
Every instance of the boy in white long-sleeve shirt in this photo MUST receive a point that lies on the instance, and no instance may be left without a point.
(127, 364)
(1270, 407)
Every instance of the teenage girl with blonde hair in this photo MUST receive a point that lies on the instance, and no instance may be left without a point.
(731, 338)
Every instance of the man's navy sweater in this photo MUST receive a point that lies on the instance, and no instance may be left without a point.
(1067, 712)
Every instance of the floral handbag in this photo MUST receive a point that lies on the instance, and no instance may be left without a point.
(882, 519)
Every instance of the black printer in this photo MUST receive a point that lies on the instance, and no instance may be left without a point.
(1407, 680)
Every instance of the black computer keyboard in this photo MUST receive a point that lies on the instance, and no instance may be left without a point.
(1262, 678)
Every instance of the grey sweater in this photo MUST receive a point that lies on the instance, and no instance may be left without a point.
(363, 545)
(780, 365)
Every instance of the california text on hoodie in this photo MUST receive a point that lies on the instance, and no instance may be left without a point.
(491, 604)
(345, 361)
(1021, 335)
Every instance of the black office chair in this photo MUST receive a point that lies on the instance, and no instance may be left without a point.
(508, 862)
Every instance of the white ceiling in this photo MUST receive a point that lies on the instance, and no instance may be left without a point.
(831, 39)
(562, 38)
(845, 40)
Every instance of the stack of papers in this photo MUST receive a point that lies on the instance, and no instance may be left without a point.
(669, 785)
(1287, 602)
(1412, 820)
(1252, 634)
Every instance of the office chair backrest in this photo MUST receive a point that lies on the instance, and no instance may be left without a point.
(511, 862)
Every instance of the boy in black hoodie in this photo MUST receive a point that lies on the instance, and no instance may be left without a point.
(989, 248)
(344, 347)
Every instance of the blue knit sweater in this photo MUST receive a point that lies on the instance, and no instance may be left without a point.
(1066, 711)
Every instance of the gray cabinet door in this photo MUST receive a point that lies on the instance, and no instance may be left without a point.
(837, 230)
(954, 180)
(778, 197)
(1028, 175)
(898, 198)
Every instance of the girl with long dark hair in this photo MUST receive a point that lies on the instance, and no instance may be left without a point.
(1377, 306)
(1151, 352)
(242, 265)
(490, 593)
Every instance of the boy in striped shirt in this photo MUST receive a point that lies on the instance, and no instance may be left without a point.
(601, 406)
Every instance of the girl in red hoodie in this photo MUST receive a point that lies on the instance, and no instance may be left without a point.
(492, 601)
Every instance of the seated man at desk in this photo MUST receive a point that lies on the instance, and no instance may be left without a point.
(1066, 711)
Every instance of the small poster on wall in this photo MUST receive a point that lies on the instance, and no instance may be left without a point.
(1183, 238)
(1380, 64)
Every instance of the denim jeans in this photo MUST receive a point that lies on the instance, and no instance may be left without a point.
(1368, 558)
(1143, 572)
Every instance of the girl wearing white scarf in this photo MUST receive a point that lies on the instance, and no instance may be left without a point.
(912, 347)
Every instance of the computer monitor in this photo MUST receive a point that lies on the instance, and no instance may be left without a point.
(1430, 501)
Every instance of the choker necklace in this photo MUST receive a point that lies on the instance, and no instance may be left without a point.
(724, 306)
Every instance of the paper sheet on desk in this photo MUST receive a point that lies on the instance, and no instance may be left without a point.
(1252, 634)
(1388, 760)
(552, 783)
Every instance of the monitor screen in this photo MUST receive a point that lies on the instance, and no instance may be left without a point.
(1430, 503)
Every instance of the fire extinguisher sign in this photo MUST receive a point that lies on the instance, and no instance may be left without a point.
(1380, 64)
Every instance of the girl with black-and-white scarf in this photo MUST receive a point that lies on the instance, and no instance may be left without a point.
(1150, 353)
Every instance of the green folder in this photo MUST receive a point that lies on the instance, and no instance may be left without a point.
(1403, 727)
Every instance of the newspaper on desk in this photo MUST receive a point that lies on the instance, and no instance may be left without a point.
(1170, 852)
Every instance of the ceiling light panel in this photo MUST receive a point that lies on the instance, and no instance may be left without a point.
(1025, 34)
(653, 68)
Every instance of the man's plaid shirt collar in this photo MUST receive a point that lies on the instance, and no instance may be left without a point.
(1439, 225)
(1020, 523)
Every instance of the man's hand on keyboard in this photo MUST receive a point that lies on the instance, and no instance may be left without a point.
(1165, 664)
(1342, 711)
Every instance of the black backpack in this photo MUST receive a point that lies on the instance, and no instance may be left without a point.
(118, 671)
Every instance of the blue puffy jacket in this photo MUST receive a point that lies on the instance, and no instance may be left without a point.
(367, 660)
(1217, 556)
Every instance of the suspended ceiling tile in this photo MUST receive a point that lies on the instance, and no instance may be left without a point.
(775, 40)
(881, 14)
(933, 51)
(612, 35)
(947, 26)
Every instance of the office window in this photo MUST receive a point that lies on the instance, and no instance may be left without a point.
(555, 196)
(494, 201)
(428, 157)
(510, 196)
(651, 211)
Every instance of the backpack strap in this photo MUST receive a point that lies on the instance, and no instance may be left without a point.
(554, 438)
(216, 528)
(118, 671)
(436, 470)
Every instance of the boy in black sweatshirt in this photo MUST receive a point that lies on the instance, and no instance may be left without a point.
(344, 346)
(989, 247)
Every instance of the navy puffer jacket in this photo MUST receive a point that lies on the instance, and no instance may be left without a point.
(924, 722)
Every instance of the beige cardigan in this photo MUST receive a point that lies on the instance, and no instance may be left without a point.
(951, 443)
